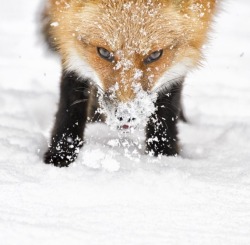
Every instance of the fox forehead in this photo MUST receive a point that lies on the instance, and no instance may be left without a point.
(130, 25)
(135, 26)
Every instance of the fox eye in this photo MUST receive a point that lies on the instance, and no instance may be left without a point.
(105, 54)
(153, 57)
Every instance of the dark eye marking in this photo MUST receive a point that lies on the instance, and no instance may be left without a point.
(105, 54)
(153, 57)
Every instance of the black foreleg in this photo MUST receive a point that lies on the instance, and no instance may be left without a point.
(162, 133)
(67, 135)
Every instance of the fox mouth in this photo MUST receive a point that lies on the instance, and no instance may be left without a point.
(126, 128)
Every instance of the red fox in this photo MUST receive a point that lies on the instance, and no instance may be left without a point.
(127, 59)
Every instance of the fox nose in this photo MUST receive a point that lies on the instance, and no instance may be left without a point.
(126, 123)
(125, 116)
(130, 119)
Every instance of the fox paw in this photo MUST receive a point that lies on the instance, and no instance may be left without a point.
(63, 153)
(59, 159)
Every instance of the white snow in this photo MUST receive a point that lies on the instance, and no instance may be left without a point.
(139, 109)
(114, 194)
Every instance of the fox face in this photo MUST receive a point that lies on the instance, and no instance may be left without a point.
(136, 53)
(121, 45)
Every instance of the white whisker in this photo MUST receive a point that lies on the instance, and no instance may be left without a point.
(78, 101)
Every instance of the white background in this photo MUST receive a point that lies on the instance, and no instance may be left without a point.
(111, 195)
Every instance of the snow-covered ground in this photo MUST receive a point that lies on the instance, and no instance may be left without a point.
(116, 195)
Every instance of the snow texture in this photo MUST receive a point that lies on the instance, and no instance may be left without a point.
(139, 109)
(113, 193)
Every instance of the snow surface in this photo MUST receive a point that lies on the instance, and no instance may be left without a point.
(113, 194)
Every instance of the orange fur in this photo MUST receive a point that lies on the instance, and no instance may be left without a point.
(131, 30)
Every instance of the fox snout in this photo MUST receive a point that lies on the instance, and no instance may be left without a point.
(130, 114)
(127, 117)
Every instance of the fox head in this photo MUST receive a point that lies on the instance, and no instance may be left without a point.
(126, 46)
